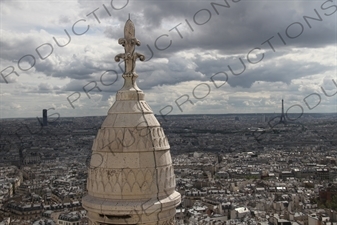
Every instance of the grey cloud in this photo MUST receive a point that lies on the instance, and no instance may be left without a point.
(284, 72)
(64, 20)
(273, 70)
(329, 83)
(235, 31)
(45, 87)
(243, 26)
(173, 72)
(13, 47)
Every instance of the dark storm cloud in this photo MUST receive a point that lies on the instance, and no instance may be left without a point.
(230, 30)
(236, 30)
(14, 45)
(74, 68)
(243, 25)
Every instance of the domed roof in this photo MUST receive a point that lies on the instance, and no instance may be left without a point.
(131, 179)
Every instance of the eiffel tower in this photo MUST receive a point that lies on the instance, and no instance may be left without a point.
(283, 118)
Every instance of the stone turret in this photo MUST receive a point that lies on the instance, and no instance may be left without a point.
(131, 179)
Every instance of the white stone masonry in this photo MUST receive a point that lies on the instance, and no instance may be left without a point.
(131, 179)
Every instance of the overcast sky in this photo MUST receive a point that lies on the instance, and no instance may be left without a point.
(225, 56)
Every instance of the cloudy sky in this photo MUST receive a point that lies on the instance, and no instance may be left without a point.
(211, 56)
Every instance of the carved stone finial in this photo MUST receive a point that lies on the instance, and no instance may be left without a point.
(128, 42)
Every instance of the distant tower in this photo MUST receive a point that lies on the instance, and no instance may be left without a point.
(283, 118)
(44, 114)
(131, 179)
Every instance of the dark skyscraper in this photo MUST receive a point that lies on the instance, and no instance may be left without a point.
(44, 114)
(283, 118)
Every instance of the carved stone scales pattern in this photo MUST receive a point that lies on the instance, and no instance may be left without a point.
(131, 179)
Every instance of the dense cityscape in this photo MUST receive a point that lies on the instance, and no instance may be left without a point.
(230, 169)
